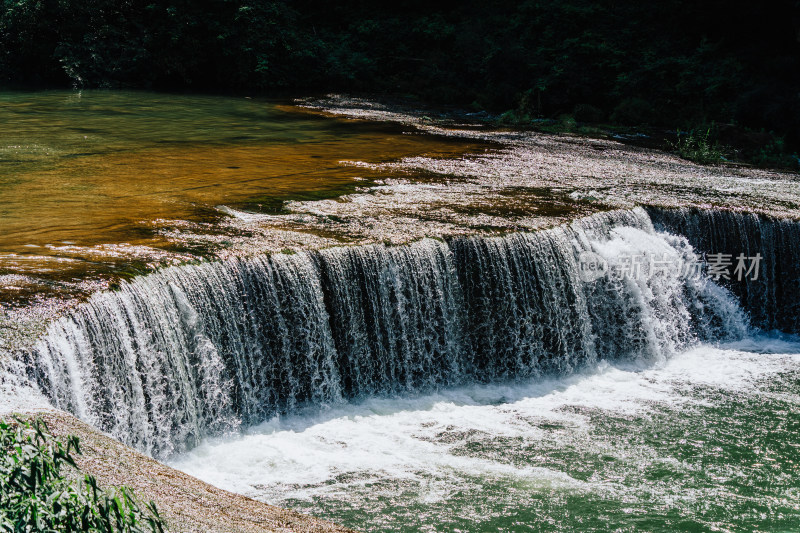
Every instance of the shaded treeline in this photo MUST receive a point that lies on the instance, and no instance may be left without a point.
(671, 63)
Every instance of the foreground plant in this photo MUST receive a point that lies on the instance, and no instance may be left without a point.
(38, 494)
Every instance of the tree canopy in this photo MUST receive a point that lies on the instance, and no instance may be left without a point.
(660, 63)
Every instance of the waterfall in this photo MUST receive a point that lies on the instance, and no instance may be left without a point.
(202, 349)
(772, 300)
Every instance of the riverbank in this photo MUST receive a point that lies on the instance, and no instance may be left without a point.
(186, 503)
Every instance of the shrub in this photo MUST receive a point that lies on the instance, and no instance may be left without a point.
(697, 146)
(37, 495)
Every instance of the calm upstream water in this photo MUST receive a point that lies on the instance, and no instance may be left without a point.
(121, 159)
(91, 182)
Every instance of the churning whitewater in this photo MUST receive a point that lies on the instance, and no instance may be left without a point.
(703, 441)
(201, 350)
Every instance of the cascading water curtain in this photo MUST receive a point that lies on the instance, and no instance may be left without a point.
(198, 350)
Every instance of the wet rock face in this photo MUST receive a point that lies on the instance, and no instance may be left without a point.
(599, 170)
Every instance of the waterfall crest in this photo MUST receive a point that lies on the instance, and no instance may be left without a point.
(197, 350)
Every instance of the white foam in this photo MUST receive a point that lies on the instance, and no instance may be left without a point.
(413, 438)
(17, 395)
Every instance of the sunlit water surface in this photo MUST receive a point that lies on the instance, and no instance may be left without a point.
(707, 441)
(90, 180)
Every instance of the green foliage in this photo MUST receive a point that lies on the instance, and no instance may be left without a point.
(775, 155)
(37, 495)
(698, 146)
